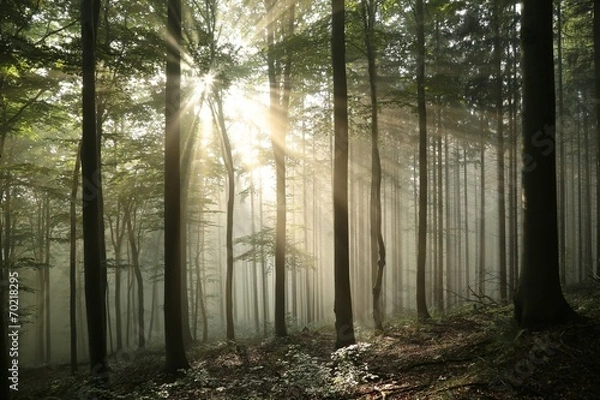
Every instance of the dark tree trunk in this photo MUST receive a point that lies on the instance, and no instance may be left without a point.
(117, 232)
(175, 352)
(369, 10)
(500, 133)
(422, 236)
(597, 110)
(73, 261)
(46, 284)
(135, 258)
(562, 144)
(95, 279)
(344, 325)
(539, 300)
(481, 267)
(279, 73)
(228, 160)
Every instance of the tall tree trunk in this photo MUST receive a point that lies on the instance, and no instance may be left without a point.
(344, 325)
(422, 237)
(263, 263)
(95, 278)
(539, 300)
(135, 258)
(369, 10)
(561, 144)
(466, 201)
(597, 111)
(175, 352)
(200, 283)
(587, 199)
(500, 134)
(117, 231)
(481, 266)
(254, 262)
(154, 300)
(73, 261)
(278, 115)
(219, 116)
(439, 193)
(46, 290)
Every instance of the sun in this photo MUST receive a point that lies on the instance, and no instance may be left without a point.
(203, 84)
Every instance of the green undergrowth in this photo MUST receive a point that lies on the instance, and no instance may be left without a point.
(467, 354)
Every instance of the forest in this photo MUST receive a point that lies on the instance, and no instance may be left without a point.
(360, 199)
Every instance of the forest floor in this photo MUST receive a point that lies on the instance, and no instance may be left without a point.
(474, 354)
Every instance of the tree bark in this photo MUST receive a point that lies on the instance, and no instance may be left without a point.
(344, 325)
(228, 160)
(500, 134)
(73, 261)
(539, 301)
(369, 10)
(597, 111)
(175, 352)
(95, 278)
(481, 266)
(422, 111)
(135, 258)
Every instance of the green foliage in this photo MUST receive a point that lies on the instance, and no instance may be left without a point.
(350, 368)
(303, 376)
(262, 249)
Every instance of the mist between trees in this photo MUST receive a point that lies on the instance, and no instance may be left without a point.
(431, 98)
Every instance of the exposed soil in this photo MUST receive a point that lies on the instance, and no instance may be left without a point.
(475, 354)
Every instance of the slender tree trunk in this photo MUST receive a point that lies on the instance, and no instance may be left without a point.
(539, 300)
(175, 352)
(369, 10)
(254, 263)
(135, 257)
(439, 277)
(481, 268)
(117, 231)
(422, 237)
(279, 106)
(467, 236)
(344, 325)
(47, 278)
(587, 198)
(228, 160)
(263, 262)
(154, 300)
(200, 283)
(73, 261)
(500, 133)
(561, 144)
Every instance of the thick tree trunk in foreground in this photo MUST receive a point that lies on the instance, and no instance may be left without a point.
(344, 325)
(597, 109)
(95, 279)
(175, 352)
(539, 300)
